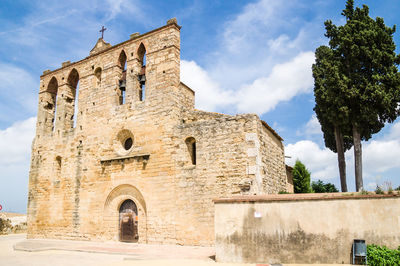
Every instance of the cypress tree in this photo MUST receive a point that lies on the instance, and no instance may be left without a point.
(301, 178)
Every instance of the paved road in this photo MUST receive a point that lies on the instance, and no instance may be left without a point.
(101, 254)
(9, 256)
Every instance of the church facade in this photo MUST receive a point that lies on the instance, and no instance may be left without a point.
(120, 152)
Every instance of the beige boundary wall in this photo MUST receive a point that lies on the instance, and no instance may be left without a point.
(313, 228)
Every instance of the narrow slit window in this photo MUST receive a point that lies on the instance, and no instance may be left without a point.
(142, 92)
(58, 165)
(194, 152)
(76, 105)
(191, 146)
(97, 73)
(122, 97)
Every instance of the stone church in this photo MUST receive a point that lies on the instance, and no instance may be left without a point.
(120, 152)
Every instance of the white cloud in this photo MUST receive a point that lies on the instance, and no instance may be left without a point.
(394, 133)
(263, 58)
(322, 163)
(379, 156)
(11, 85)
(114, 7)
(117, 7)
(255, 18)
(18, 91)
(15, 143)
(209, 95)
(266, 33)
(311, 128)
(15, 151)
(285, 81)
(40, 34)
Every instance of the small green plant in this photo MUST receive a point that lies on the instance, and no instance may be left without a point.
(301, 178)
(379, 190)
(364, 192)
(382, 256)
(283, 192)
(320, 187)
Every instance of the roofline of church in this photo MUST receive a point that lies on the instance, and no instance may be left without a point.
(188, 88)
(265, 124)
(169, 24)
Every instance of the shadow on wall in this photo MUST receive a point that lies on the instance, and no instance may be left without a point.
(256, 246)
(304, 228)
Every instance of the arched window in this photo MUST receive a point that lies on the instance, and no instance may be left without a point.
(122, 60)
(50, 104)
(58, 166)
(97, 73)
(122, 81)
(142, 73)
(191, 146)
(71, 108)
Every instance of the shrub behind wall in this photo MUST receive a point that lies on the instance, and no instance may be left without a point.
(382, 256)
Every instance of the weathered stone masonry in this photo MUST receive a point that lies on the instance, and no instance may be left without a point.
(135, 135)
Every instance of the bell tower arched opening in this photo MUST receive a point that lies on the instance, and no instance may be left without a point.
(122, 82)
(142, 73)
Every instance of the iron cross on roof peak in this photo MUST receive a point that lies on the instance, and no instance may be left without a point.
(102, 31)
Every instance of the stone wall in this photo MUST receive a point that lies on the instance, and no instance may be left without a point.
(82, 171)
(74, 169)
(221, 166)
(303, 228)
(270, 160)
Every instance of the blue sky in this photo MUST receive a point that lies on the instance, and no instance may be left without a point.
(239, 57)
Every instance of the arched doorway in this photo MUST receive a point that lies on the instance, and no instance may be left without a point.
(128, 221)
(111, 215)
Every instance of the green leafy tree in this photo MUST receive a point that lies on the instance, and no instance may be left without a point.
(321, 187)
(361, 56)
(301, 178)
(333, 118)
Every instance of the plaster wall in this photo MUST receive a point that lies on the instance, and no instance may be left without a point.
(301, 228)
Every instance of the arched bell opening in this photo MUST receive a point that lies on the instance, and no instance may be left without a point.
(142, 73)
(72, 95)
(49, 103)
(122, 62)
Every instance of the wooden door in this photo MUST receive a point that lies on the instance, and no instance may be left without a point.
(128, 221)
